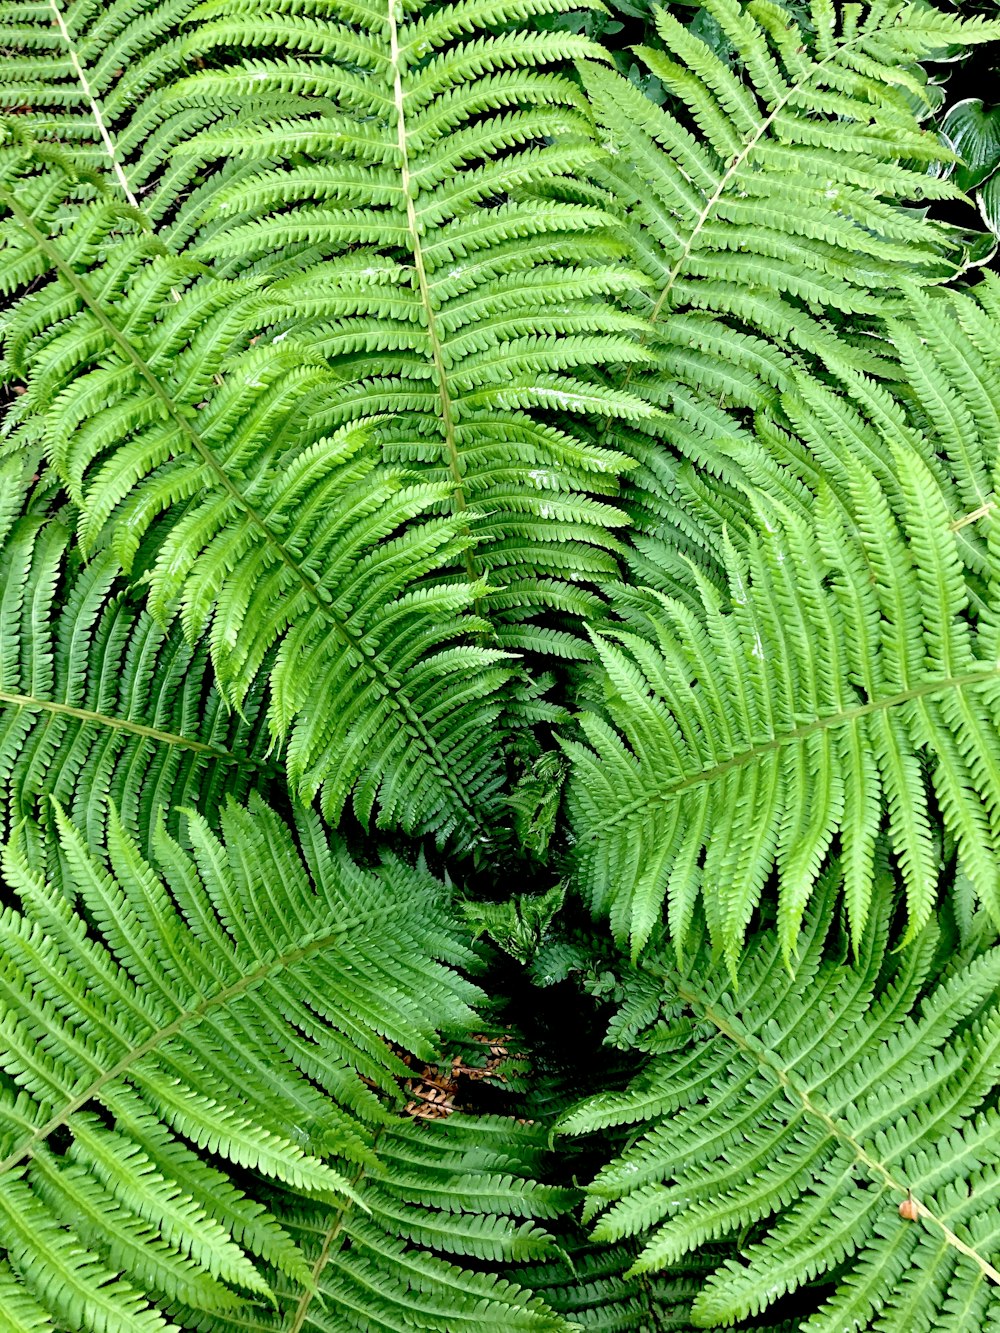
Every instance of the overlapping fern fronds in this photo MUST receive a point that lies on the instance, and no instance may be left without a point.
(767, 203)
(98, 704)
(840, 682)
(421, 254)
(92, 78)
(353, 350)
(945, 409)
(841, 1123)
(592, 1288)
(941, 404)
(210, 466)
(172, 1035)
(438, 1234)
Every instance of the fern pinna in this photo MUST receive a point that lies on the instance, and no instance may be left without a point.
(579, 482)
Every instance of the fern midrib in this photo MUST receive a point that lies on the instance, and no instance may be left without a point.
(190, 1016)
(36, 704)
(459, 500)
(827, 722)
(727, 177)
(95, 106)
(834, 1129)
(326, 1249)
(311, 587)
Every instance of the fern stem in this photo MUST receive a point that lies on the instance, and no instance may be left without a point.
(323, 1258)
(30, 702)
(189, 1017)
(836, 1131)
(754, 752)
(437, 353)
(316, 593)
(95, 108)
(724, 181)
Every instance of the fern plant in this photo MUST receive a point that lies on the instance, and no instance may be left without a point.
(241, 1010)
(99, 705)
(839, 1122)
(769, 206)
(403, 414)
(803, 707)
(786, 206)
(943, 409)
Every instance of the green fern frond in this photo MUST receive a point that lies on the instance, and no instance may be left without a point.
(591, 1288)
(775, 189)
(799, 1115)
(803, 704)
(767, 201)
(99, 705)
(446, 1194)
(945, 408)
(94, 78)
(449, 292)
(240, 1011)
(208, 463)
(597, 1296)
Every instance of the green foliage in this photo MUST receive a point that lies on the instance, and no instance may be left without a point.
(173, 1038)
(846, 671)
(766, 204)
(444, 1195)
(519, 925)
(430, 245)
(974, 133)
(213, 475)
(86, 76)
(535, 803)
(98, 704)
(782, 206)
(411, 411)
(591, 1288)
(799, 1113)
